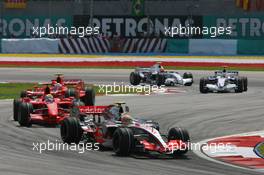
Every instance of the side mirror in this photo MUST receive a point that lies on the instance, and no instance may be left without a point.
(127, 109)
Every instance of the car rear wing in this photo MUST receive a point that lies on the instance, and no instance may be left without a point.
(235, 73)
(72, 81)
(142, 69)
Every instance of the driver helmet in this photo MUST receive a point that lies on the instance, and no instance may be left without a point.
(159, 67)
(49, 98)
(126, 119)
(224, 69)
(162, 69)
(57, 86)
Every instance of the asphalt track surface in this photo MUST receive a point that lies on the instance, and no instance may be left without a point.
(204, 115)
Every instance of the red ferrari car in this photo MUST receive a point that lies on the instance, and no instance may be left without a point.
(45, 110)
(59, 88)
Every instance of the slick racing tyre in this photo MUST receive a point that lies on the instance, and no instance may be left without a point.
(240, 85)
(134, 78)
(24, 112)
(203, 88)
(160, 79)
(179, 134)
(245, 84)
(188, 75)
(71, 131)
(123, 141)
(16, 106)
(89, 97)
(70, 93)
(23, 94)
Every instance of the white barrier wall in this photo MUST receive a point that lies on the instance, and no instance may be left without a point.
(212, 47)
(35, 45)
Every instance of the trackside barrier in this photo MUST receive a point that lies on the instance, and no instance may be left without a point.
(177, 46)
(250, 47)
(212, 47)
(34, 45)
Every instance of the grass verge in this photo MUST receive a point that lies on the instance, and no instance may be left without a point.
(12, 90)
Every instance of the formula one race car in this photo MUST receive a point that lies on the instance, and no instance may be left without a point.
(156, 75)
(45, 110)
(224, 81)
(109, 127)
(61, 88)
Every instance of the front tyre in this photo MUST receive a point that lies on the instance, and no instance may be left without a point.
(71, 131)
(240, 85)
(134, 78)
(203, 88)
(182, 134)
(89, 98)
(16, 106)
(24, 114)
(245, 84)
(123, 141)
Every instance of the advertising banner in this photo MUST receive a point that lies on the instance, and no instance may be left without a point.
(137, 27)
(243, 27)
(22, 26)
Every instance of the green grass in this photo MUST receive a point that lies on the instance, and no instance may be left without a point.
(12, 90)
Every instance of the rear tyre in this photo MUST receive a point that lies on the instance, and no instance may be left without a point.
(23, 94)
(24, 114)
(188, 75)
(70, 93)
(240, 86)
(160, 79)
(203, 88)
(134, 78)
(123, 141)
(16, 106)
(89, 98)
(179, 134)
(71, 131)
(245, 83)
